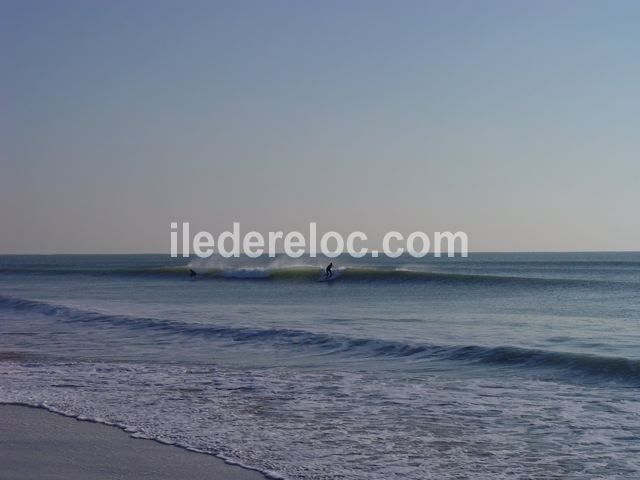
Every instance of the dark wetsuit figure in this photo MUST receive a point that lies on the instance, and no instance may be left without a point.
(328, 272)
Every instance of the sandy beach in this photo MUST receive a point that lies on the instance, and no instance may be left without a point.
(35, 443)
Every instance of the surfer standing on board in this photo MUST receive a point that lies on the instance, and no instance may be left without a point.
(328, 272)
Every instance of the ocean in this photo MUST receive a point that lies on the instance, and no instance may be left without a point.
(514, 365)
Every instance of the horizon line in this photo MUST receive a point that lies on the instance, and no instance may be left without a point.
(320, 255)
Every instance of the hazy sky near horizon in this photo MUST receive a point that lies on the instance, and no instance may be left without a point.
(516, 122)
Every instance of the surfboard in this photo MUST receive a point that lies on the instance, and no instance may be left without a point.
(324, 278)
(335, 276)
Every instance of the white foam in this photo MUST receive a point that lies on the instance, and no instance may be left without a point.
(353, 426)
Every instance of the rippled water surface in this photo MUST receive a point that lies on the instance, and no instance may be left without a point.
(493, 366)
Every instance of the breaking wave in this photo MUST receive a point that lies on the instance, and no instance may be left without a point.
(607, 367)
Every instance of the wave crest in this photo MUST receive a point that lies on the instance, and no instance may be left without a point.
(613, 368)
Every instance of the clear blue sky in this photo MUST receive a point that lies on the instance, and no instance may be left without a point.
(516, 122)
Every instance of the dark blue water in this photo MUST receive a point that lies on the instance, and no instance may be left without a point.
(512, 365)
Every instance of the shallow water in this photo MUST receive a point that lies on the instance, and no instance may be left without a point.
(493, 366)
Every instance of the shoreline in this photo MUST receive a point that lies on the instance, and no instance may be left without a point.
(38, 443)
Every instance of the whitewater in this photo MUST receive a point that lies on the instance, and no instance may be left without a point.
(492, 366)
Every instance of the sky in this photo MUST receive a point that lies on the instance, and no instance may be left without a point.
(515, 122)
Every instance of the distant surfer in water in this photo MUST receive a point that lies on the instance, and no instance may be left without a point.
(328, 273)
(192, 274)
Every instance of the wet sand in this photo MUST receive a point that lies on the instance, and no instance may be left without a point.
(37, 444)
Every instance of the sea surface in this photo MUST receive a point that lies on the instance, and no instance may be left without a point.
(495, 366)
